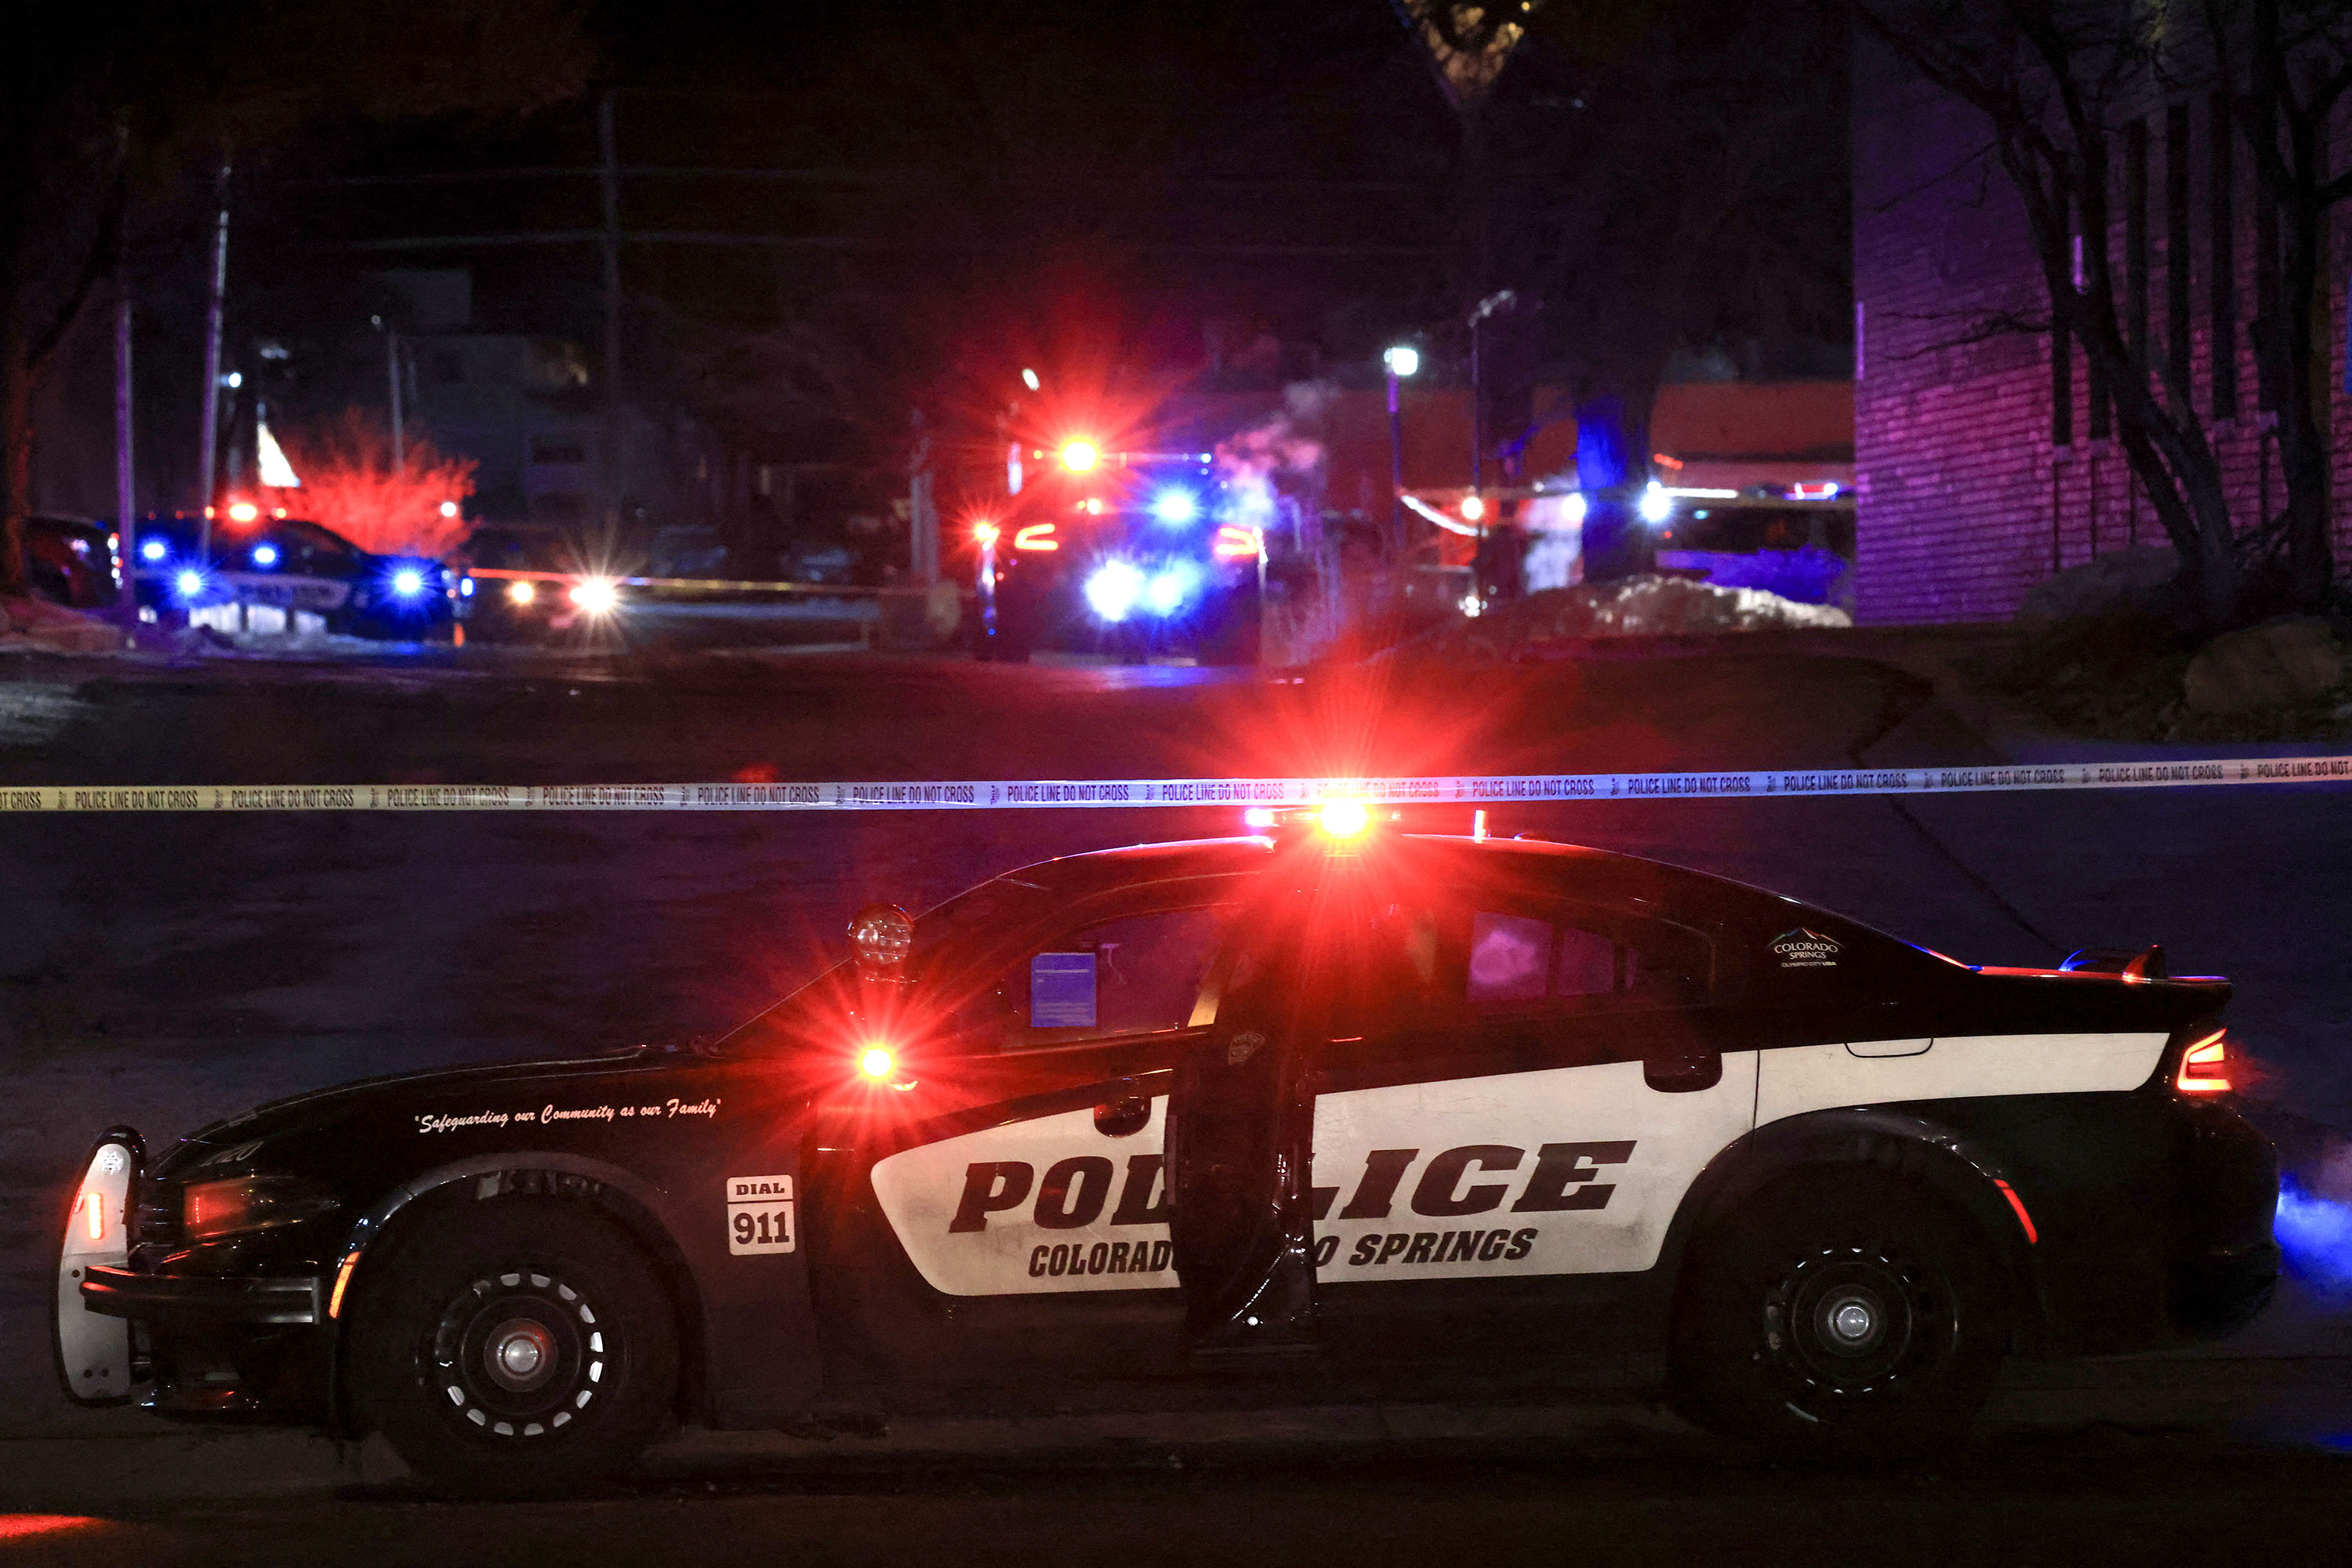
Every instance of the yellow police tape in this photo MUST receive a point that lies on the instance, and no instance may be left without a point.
(1467, 790)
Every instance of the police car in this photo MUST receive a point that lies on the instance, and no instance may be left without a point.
(1332, 1112)
(1125, 552)
(299, 568)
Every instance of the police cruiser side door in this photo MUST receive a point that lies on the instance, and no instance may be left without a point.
(1529, 1089)
(1005, 1218)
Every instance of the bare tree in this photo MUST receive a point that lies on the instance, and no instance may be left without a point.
(105, 120)
(2056, 80)
(2296, 60)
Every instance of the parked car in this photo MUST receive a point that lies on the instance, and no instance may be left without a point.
(72, 561)
(1330, 1112)
(525, 583)
(300, 567)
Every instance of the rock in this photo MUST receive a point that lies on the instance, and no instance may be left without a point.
(2278, 664)
(2135, 579)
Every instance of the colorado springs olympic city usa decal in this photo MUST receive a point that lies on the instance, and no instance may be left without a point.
(985, 794)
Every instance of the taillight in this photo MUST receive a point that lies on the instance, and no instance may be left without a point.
(1235, 541)
(2205, 1066)
(1036, 536)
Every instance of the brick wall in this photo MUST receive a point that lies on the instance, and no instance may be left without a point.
(1965, 499)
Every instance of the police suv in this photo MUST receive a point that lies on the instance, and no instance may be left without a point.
(1336, 1112)
(1125, 552)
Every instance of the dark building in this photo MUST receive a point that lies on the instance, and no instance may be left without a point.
(1980, 460)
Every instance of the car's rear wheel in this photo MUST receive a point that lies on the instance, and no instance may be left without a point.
(1847, 1317)
(516, 1347)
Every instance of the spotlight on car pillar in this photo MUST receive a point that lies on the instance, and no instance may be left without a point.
(1080, 456)
(598, 595)
(1402, 360)
(882, 935)
(1656, 505)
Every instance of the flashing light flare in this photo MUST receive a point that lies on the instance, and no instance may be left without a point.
(449, 509)
(243, 512)
(1402, 360)
(1176, 505)
(1236, 541)
(596, 595)
(1656, 505)
(521, 590)
(985, 533)
(465, 588)
(1258, 816)
(152, 549)
(1344, 818)
(2205, 1066)
(2316, 1235)
(1029, 379)
(1036, 536)
(94, 1207)
(1113, 590)
(877, 1063)
(408, 581)
(264, 556)
(189, 583)
(1473, 605)
(1080, 456)
(1167, 591)
(1473, 508)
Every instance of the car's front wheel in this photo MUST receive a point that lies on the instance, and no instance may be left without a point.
(520, 1346)
(1847, 1317)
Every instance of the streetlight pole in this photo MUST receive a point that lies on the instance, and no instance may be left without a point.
(1501, 300)
(1401, 361)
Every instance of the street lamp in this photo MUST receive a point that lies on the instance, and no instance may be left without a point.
(1401, 360)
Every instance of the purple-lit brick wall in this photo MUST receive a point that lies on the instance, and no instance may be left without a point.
(1965, 500)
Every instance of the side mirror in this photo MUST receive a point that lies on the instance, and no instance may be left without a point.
(882, 935)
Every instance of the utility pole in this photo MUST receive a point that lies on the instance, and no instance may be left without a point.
(126, 492)
(617, 465)
(208, 453)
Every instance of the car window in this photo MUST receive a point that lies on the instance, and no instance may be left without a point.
(1436, 963)
(1575, 959)
(1137, 974)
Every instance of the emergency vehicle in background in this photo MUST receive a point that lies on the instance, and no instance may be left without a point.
(1329, 1111)
(1127, 552)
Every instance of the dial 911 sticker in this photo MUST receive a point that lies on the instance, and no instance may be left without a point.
(758, 1213)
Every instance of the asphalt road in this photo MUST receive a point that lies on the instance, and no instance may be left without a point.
(166, 970)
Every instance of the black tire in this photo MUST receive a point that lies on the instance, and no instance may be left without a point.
(590, 1371)
(1840, 1317)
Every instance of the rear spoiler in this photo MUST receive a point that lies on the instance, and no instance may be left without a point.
(2147, 963)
